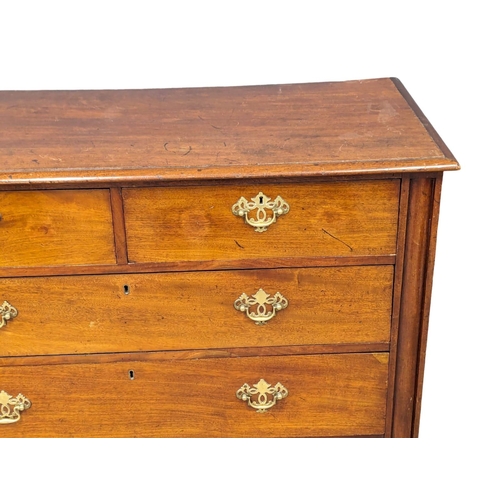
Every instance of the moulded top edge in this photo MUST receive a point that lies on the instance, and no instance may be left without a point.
(335, 128)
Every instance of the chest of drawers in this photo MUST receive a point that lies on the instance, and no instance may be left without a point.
(251, 261)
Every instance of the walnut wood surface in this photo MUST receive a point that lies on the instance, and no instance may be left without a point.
(335, 128)
(325, 219)
(47, 228)
(329, 395)
(85, 314)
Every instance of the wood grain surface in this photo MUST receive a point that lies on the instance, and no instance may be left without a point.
(325, 219)
(423, 119)
(424, 322)
(118, 225)
(47, 228)
(415, 299)
(329, 395)
(218, 132)
(120, 251)
(204, 265)
(175, 311)
(396, 300)
(233, 352)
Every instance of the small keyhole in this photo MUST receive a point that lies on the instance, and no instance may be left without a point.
(261, 199)
(126, 289)
(131, 374)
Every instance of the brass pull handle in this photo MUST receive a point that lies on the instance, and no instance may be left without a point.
(261, 212)
(260, 307)
(7, 312)
(11, 408)
(261, 396)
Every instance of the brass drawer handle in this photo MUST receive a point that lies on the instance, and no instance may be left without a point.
(10, 407)
(260, 307)
(266, 211)
(267, 396)
(7, 312)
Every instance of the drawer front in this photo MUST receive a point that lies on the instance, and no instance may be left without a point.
(326, 395)
(322, 219)
(196, 310)
(48, 228)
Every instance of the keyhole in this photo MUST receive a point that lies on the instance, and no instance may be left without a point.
(261, 199)
(131, 374)
(126, 289)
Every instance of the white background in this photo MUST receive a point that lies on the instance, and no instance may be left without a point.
(446, 54)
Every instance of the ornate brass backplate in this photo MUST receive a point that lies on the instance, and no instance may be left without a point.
(11, 407)
(7, 312)
(261, 211)
(260, 307)
(261, 396)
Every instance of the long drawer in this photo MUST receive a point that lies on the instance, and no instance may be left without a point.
(261, 221)
(50, 228)
(196, 310)
(324, 395)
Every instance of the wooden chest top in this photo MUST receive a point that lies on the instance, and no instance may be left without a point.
(368, 126)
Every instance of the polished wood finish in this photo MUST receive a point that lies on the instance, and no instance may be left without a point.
(415, 297)
(329, 395)
(120, 252)
(327, 219)
(324, 128)
(424, 325)
(396, 306)
(423, 119)
(127, 182)
(204, 265)
(156, 177)
(119, 226)
(47, 228)
(233, 352)
(195, 310)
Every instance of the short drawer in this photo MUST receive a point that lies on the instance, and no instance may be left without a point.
(324, 395)
(49, 228)
(196, 310)
(213, 223)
